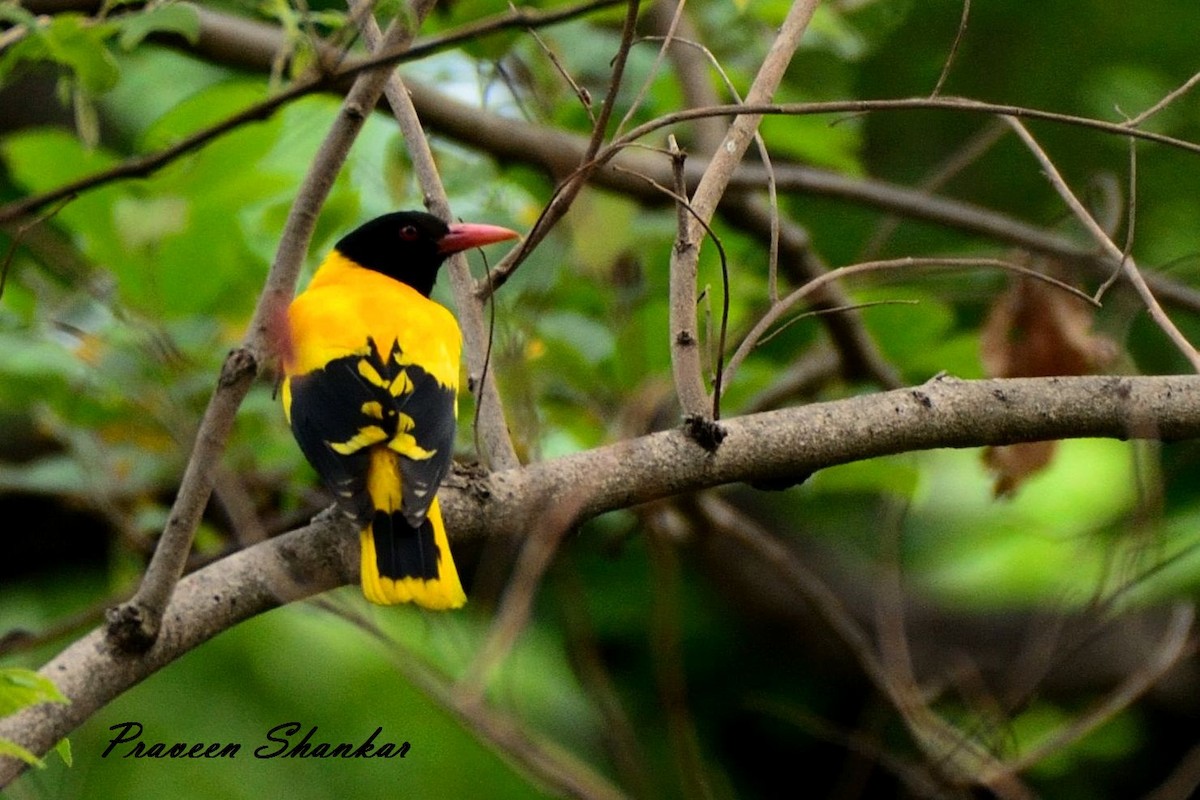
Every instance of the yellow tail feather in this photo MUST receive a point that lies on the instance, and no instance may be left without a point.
(440, 593)
(443, 591)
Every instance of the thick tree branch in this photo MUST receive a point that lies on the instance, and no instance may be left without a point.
(774, 446)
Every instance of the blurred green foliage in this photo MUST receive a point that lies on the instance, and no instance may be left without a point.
(119, 307)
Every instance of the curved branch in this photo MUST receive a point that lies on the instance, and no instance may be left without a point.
(781, 307)
(774, 446)
(944, 103)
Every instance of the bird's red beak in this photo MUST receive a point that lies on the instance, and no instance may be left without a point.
(465, 235)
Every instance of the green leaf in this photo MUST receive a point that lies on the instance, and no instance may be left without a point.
(73, 41)
(910, 334)
(180, 18)
(63, 748)
(20, 688)
(41, 159)
(9, 748)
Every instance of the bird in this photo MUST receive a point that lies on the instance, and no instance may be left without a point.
(370, 368)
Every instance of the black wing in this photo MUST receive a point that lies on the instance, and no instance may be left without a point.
(339, 411)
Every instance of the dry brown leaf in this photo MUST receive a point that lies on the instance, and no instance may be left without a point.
(1012, 464)
(1037, 330)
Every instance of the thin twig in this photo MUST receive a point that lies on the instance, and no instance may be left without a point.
(773, 314)
(585, 97)
(1173, 647)
(832, 310)
(1129, 267)
(1130, 228)
(958, 37)
(719, 372)
(1171, 97)
(961, 104)
(491, 426)
(481, 391)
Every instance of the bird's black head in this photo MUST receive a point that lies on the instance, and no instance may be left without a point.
(410, 246)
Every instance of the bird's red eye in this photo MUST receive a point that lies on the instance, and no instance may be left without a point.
(409, 233)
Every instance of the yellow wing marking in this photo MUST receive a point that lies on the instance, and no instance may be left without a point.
(371, 375)
(366, 436)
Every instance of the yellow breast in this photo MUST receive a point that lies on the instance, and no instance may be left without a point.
(346, 304)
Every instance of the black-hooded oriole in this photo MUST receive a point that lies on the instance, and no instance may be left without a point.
(370, 386)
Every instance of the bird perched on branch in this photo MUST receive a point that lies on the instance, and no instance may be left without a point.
(370, 387)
